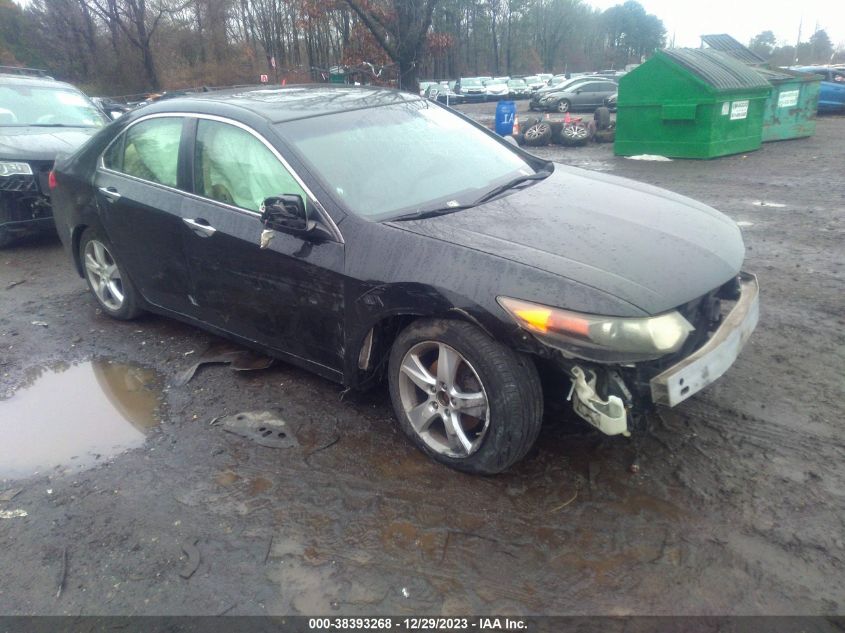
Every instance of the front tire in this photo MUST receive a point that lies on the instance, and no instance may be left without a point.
(562, 106)
(462, 398)
(106, 278)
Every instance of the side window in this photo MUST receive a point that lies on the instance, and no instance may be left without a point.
(113, 158)
(234, 167)
(149, 150)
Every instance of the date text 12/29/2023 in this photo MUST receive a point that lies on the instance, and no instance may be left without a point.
(417, 624)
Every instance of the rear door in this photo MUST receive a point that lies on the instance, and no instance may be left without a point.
(287, 295)
(138, 186)
(593, 93)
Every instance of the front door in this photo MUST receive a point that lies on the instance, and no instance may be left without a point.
(288, 295)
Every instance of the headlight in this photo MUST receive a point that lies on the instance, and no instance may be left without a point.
(601, 338)
(15, 169)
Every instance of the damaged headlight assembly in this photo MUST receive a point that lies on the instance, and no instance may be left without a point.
(601, 338)
(8, 168)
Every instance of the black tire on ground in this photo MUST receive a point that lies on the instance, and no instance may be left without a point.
(510, 381)
(602, 118)
(575, 135)
(538, 134)
(605, 136)
(557, 128)
(519, 138)
(563, 105)
(130, 307)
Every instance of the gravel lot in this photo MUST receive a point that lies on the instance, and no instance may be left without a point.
(738, 506)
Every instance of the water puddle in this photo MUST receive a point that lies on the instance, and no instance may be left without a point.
(72, 418)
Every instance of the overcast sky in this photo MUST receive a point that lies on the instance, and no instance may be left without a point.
(743, 19)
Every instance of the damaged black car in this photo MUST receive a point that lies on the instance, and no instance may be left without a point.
(39, 119)
(368, 234)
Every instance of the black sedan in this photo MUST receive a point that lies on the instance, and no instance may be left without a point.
(297, 221)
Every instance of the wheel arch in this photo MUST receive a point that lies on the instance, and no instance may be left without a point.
(371, 338)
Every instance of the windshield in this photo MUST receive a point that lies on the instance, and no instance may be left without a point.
(388, 161)
(533, 79)
(22, 105)
(516, 83)
(470, 82)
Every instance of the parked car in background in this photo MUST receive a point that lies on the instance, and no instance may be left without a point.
(112, 108)
(586, 94)
(610, 102)
(545, 77)
(535, 82)
(539, 95)
(424, 85)
(518, 89)
(443, 94)
(496, 89)
(832, 89)
(471, 89)
(39, 119)
(263, 216)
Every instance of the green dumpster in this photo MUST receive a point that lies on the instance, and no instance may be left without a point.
(690, 103)
(791, 106)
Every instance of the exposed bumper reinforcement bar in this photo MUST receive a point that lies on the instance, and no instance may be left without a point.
(708, 363)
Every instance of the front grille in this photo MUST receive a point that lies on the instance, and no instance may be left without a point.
(30, 183)
(24, 183)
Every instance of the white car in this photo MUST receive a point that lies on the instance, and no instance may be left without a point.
(496, 90)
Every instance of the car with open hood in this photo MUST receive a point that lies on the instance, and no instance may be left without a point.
(479, 281)
(39, 119)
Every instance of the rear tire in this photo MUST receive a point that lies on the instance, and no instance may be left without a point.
(106, 277)
(462, 398)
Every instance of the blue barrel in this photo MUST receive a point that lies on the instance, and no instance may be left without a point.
(505, 112)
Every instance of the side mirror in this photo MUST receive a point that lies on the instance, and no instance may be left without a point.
(286, 213)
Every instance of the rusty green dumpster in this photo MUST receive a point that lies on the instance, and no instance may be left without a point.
(791, 107)
(690, 103)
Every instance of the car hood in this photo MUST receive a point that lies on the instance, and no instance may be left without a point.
(41, 143)
(653, 249)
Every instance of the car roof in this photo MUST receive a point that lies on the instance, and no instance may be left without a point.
(7, 79)
(279, 104)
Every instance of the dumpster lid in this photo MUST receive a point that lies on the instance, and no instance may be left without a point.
(726, 44)
(780, 75)
(719, 70)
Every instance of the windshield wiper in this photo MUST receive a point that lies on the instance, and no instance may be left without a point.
(496, 191)
(430, 213)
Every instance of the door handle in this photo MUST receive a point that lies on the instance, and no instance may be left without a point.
(110, 194)
(200, 227)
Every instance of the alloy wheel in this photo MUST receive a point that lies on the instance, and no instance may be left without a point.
(444, 399)
(104, 275)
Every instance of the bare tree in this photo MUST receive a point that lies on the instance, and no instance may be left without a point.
(401, 28)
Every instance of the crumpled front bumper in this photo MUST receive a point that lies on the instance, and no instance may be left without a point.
(714, 358)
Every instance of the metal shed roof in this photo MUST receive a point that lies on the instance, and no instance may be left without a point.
(721, 71)
(726, 44)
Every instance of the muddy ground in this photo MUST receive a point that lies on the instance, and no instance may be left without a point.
(738, 506)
